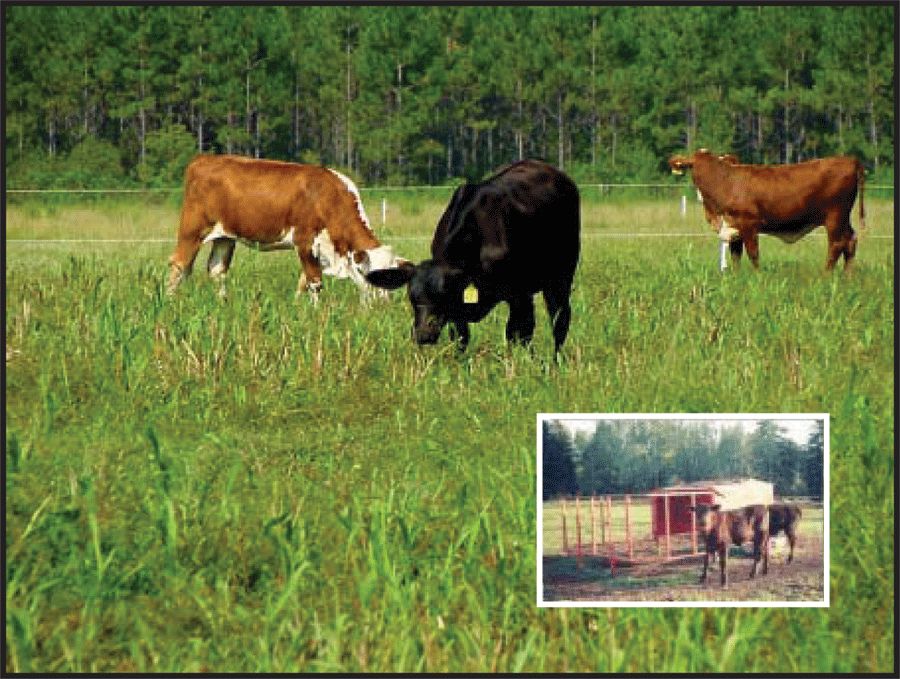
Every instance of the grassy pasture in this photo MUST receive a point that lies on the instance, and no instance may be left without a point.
(260, 485)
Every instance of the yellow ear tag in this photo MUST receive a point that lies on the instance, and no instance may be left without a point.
(470, 294)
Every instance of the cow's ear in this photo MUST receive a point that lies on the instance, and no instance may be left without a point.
(716, 508)
(392, 278)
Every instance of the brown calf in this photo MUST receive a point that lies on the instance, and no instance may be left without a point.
(783, 517)
(721, 528)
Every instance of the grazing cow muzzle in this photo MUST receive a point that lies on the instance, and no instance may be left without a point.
(427, 327)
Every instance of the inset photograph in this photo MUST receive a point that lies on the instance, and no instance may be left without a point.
(682, 510)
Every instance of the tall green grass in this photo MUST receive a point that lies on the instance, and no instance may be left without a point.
(257, 484)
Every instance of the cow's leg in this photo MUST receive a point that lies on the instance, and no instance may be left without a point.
(792, 538)
(219, 261)
(310, 269)
(560, 311)
(841, 240)
(737, 248)
(520, 326)
(723, 563)
(181, 261)
(760, 551)
(459, 332)
(704, 576)
(751, 242)
(849, 252)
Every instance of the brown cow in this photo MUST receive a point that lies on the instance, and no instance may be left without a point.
(785, 517)
(721, 528)
(714, 219)
(273, 205)
(786, 201)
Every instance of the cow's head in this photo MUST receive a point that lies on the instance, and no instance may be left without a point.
(435, 291)
(381, 257)
(705, 516)
(355, 265)
(680, 163)
(364, 261)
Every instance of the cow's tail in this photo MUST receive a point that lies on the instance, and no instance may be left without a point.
(860, 180)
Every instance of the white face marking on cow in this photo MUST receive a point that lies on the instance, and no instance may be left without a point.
(382, 257)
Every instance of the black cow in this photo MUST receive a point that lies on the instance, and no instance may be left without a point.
(783, 517)
(502, 240)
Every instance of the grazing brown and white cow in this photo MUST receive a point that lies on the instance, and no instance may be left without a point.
(272, 205)
(785, 517)
(723, 527)
(785, 201)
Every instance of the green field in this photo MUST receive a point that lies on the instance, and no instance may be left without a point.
(259, 485)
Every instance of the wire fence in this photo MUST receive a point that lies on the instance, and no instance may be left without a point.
(603, 188)
(682, 194)
(631, 528)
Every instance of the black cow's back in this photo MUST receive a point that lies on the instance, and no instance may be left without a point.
(516, 232)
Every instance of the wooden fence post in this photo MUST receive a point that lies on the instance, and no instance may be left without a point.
(694, 523)
(628, 544)
(609, 535)
(594, 523)
(668, 543)
(578, 529)
(562, 504)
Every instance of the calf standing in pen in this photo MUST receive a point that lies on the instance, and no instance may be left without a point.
(785, 517)
(721, 528)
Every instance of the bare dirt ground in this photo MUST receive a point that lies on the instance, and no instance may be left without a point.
(801, 580)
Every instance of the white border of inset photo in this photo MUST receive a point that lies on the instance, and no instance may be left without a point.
(586, 558)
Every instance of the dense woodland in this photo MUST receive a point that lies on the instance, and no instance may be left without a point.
(100, 96)
(635, 456)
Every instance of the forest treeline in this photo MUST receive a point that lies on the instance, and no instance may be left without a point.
(636, 456)
(102, 95)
